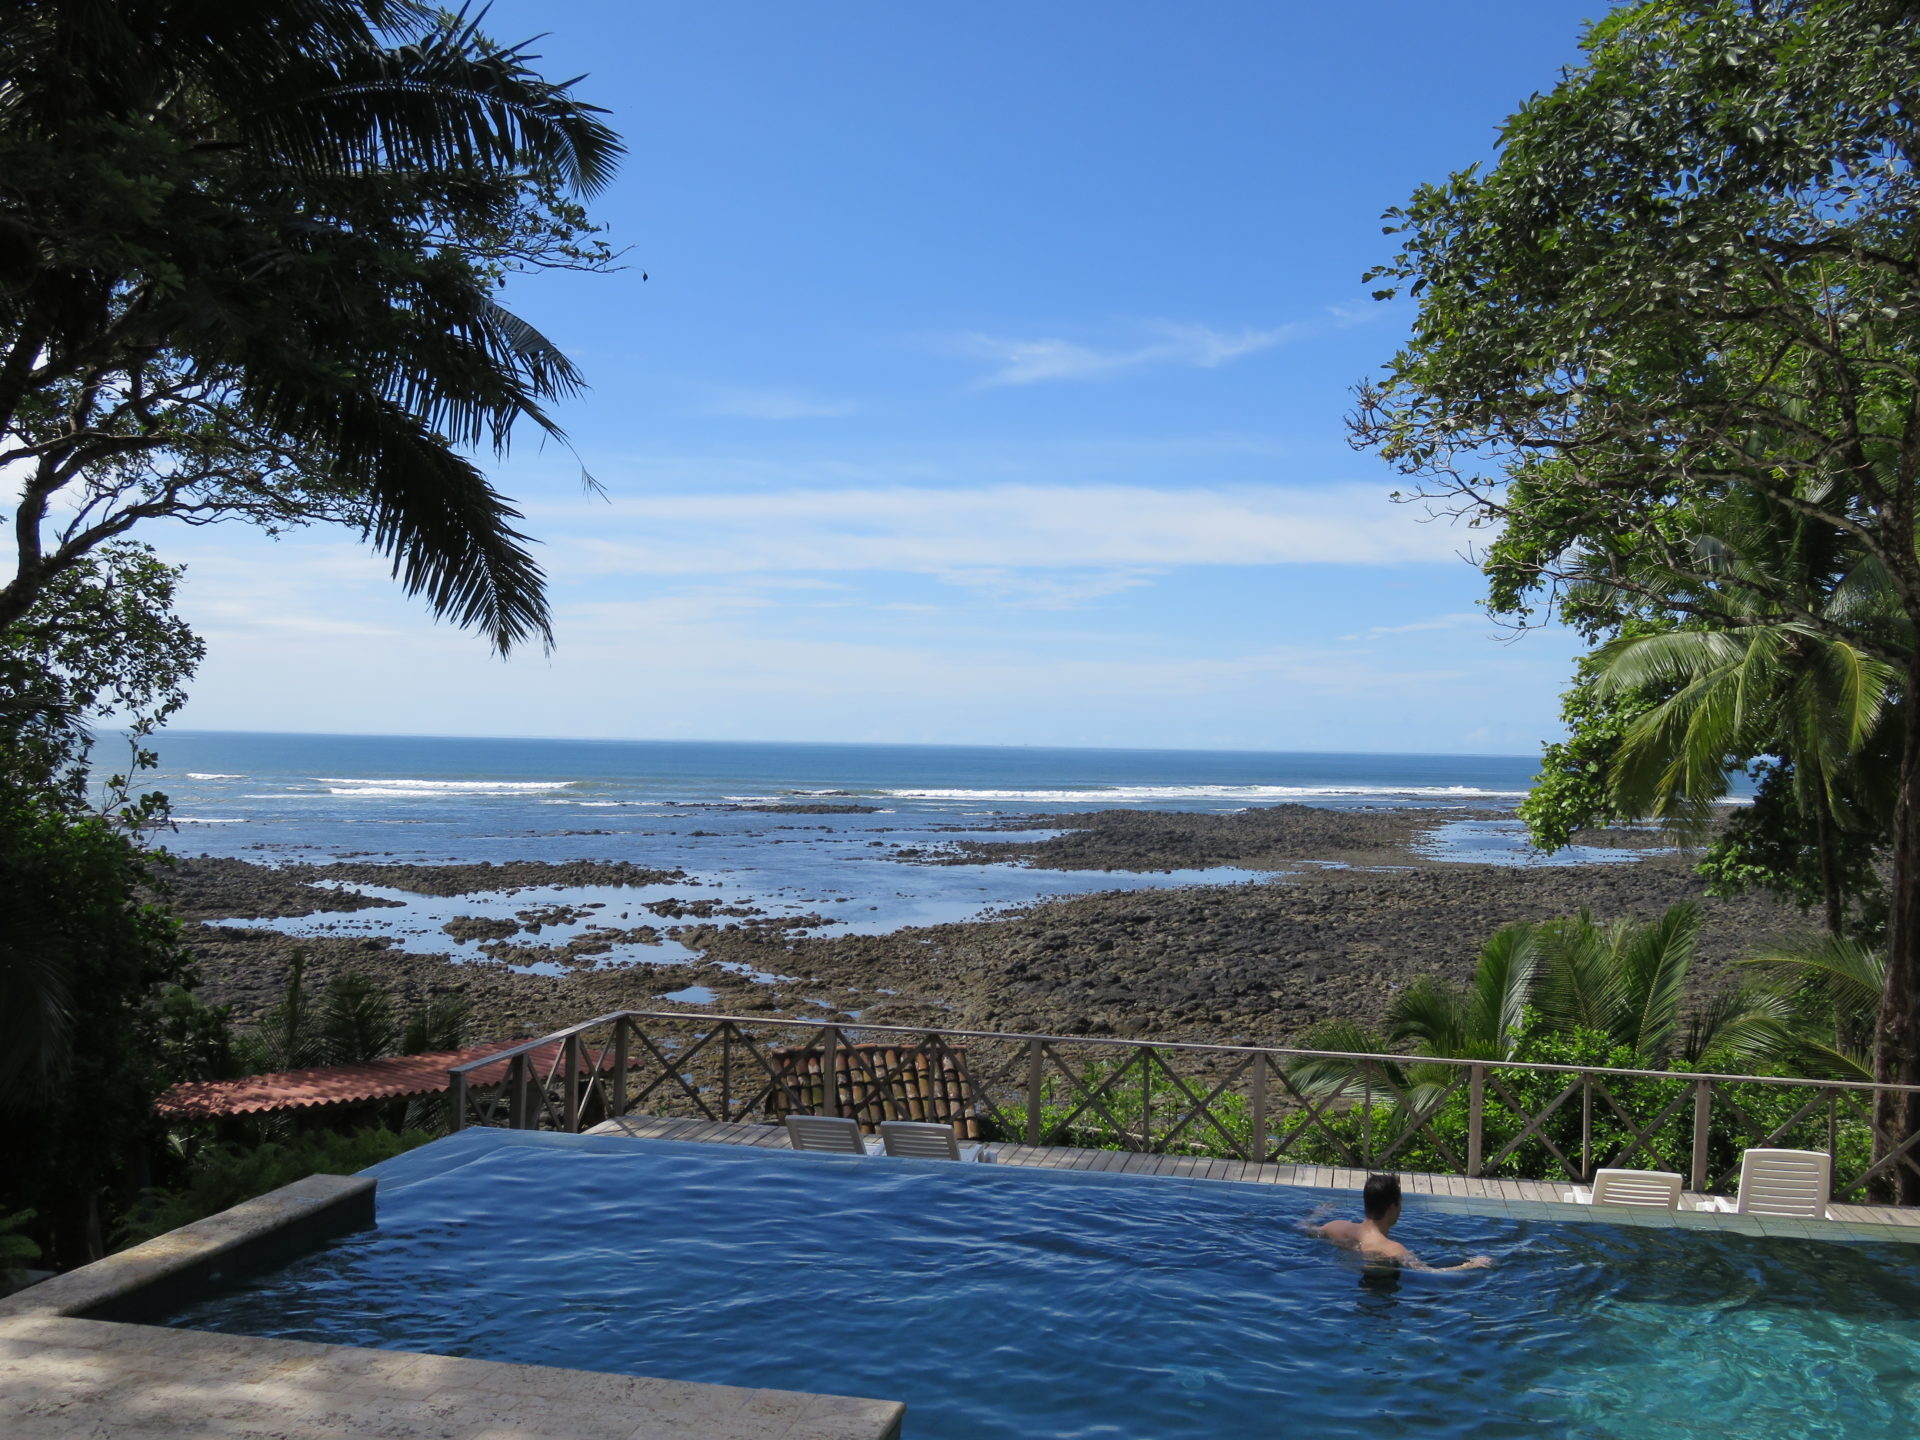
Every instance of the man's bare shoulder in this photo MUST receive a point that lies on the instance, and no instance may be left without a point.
(1340, 1232)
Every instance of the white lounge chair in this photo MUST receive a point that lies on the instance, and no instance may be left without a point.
(1637, 1189)
(921, 1140)
(1785, 1182)
(835, 1134)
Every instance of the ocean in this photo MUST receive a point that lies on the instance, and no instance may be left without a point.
(310, 785)
(274, 798)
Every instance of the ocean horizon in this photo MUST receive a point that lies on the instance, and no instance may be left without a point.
(253, 777)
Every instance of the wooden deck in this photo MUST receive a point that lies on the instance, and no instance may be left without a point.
(1874, 1222)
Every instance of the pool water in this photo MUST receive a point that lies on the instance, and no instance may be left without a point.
(1001, 1301)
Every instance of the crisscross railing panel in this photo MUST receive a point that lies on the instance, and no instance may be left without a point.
(1534, 1122)
(1642, 1139)
(1271, 1104)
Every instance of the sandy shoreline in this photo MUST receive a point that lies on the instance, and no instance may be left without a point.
(1257, 961)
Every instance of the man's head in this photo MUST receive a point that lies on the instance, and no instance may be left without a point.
(1382, 1198)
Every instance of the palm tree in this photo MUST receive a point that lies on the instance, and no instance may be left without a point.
(1819, 1000)
(1786, 687)
(249, 255)
(1625, 981)
(1477, 1021)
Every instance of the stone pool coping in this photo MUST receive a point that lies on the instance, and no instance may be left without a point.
(1515, 1199)
(72, 1364)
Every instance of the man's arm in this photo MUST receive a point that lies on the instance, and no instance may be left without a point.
(1478, 1262)
(1309, 1223)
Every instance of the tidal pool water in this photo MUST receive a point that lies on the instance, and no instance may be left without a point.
(998, 1301)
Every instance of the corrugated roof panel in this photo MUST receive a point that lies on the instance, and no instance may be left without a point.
(391, 1079)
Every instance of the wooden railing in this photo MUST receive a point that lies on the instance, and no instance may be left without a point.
(1270, 1104)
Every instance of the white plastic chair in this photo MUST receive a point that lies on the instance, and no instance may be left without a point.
(1785, 1182)
(923, 1140)
(1637, 1189)
(835, 1134)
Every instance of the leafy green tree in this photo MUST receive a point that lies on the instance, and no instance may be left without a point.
(1749, 679)
(102, 641)
(249, 264)
(1573, 790)
(83, 959)
(1669, 706)
(1693, 273)
(1772, 844)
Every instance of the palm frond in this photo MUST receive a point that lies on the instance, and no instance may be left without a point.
(1653, 962)
(1579, 986)
(1845, 971)
(1502, 987)
(1431, 1015)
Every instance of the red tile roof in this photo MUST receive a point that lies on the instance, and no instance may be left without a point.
(403, 1075)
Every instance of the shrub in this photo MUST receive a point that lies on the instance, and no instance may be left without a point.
(224, 1175)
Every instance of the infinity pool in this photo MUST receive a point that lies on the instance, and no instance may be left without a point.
(999, 1301)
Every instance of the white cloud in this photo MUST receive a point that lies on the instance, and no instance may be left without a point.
(1462, 620)
(1027, 362)
(1046, 590)
(311, 634)
(1002, 528)
(1165, 343)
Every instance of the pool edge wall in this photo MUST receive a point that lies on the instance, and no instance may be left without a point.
(140, 1284)
(79, 1354)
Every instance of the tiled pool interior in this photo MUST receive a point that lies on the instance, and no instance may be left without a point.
(1000, 1301)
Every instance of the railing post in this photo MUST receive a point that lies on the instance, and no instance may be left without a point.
(516, 1083)
(1476, 1117)
(1146, 1099)
(1702, 1117)
(1586, 1126)
(621, 1059)
(1036, 1073)
(457, 1101)
(1257, 1144)
(1366, 1117)
(571, 1084)
(830, 1072)
(726, 1071)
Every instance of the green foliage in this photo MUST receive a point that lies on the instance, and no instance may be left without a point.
(15, 1249)
(250, 259)
(440, 1024)
(222, 1176)
(351, 1021)
(1626, 982)
(1772, 845)
(288, 1036)
(1824, 993)
(1665, 343)
(356, 1021)
(101, 640)
(83, 962)
(1573, 790)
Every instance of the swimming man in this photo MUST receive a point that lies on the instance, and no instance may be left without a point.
(1381, 1202)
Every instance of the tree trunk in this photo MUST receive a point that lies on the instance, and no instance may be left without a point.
(1830, 893)
(1896, 1049)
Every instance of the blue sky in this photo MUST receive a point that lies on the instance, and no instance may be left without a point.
(988, 387)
